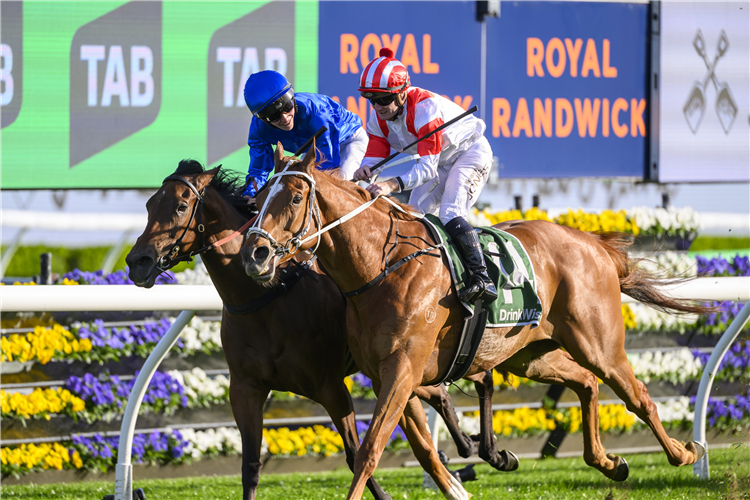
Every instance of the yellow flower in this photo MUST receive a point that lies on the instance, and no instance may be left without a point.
(628, 318)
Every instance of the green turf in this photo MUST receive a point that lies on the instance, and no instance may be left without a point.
(651, 477)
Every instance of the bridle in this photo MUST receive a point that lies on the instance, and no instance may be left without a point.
(293, 245)
(172, 258)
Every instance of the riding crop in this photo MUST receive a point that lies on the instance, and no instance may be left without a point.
(381, 164)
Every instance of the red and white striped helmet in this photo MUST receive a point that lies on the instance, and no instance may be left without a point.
(384, 74)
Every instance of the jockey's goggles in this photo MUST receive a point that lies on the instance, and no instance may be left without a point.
(383, 100)
(273, 111)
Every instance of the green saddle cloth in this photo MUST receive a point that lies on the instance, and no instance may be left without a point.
(509, 266)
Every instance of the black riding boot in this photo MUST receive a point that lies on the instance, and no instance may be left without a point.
(467, 241)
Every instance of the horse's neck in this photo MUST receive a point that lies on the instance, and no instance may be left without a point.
(353, 251)
(224, 264)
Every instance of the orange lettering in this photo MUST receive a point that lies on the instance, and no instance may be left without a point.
(587, 116)
(620, 104)
(607, 70)
(637, 125)
(563, 125)
(410, 57)
(500, 117)
(543, 117)
(349, 50)
(463, 102)
(428, 66)
(534, 57)
(574, 50)
(590, 60)
(605, 117)
(370, 40)
(391, 43)
(359, 109)
(555, 45)
(523, 120)
(336, 98)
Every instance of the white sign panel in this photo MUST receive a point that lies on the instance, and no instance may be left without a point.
(705, 92)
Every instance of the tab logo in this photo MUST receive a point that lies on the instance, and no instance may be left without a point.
(115, 78)
(263, 39)
(11, 61)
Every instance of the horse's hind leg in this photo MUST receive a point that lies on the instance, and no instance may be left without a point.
(558, 367)
(338, 403)
(438, 398)
(611, 365)
(504, 460)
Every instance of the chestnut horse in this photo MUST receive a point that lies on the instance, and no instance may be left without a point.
(294, 343)
(404, 331)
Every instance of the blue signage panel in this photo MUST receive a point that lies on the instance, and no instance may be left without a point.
(567, 89)
(438, 42)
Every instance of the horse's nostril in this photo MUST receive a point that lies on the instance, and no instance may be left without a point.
(260, 254)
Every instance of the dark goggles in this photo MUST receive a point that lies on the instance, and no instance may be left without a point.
(273, 111)
(383, 100)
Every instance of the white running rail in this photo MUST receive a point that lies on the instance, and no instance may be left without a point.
(191, 298)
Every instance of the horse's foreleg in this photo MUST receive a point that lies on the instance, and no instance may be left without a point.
(394, 390)
(247, 406)
(438, 398)
(414, 424)
(338, 403)
(505, 461)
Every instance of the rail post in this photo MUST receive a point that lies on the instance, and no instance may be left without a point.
(123, 470)
(700, 468)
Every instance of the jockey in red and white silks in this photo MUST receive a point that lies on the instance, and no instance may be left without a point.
(454, 163)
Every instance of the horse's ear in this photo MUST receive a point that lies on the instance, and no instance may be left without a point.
(279, 155)
(309, 162)
(205, 178)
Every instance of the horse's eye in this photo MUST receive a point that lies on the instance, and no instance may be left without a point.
(182, 208)
(297, 200)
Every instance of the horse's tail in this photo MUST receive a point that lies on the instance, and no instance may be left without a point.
(640, 284)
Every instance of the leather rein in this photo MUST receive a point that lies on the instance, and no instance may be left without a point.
(172, 258)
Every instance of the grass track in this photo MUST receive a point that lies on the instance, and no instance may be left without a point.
(651, 478)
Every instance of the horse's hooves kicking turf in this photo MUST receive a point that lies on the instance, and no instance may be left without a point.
(622, 470)
(700, 450)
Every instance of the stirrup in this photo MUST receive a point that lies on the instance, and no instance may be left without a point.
(479, 289)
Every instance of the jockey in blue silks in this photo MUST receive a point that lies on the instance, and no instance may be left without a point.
(280, 115)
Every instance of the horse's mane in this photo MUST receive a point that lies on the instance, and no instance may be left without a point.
(365, 196)
(228, 184)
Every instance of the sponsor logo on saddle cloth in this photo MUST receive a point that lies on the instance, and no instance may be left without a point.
(509, 266)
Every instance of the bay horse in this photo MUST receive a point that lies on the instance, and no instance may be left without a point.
(404, 331)
(295, 342)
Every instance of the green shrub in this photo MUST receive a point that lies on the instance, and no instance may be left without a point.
(720, 243)
(25, 262)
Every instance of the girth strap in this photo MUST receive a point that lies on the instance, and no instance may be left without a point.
(391, 268)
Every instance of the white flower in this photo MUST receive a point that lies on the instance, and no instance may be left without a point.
(676, 365)
(197, 276)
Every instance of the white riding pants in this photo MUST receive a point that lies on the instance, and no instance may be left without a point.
(458, 184)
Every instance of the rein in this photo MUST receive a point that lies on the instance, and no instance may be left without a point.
(293, 245)
(172, 259)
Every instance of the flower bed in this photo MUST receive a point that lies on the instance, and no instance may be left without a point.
(185, 445)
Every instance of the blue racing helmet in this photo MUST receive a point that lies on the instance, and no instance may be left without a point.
(268, 94)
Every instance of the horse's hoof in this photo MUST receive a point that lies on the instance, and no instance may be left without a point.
(622, 470)
(511, 460)
(700, 450)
